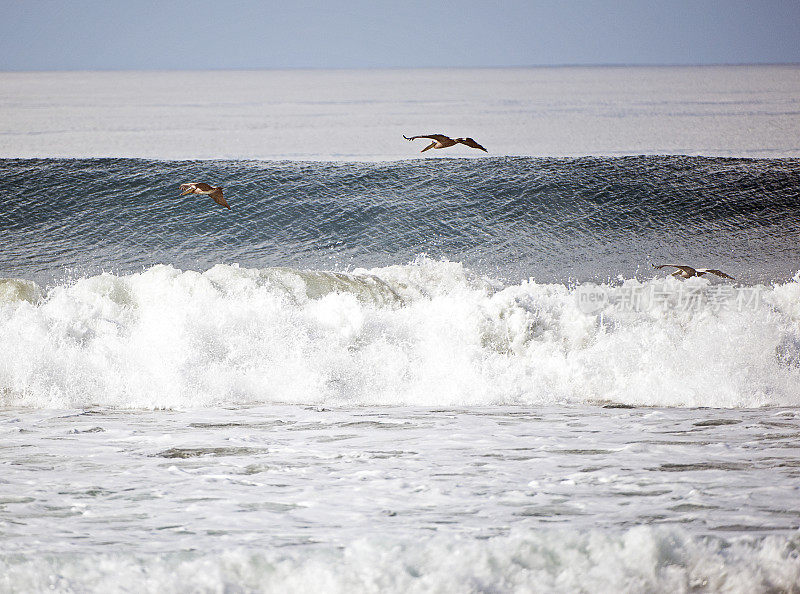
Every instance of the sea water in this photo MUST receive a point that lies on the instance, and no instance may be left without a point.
(384, 372)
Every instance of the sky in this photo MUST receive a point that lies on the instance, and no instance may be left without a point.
(244, 34)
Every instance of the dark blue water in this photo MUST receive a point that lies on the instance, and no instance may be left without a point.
(511, 218)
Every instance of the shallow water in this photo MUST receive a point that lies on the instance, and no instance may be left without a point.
(249, 489)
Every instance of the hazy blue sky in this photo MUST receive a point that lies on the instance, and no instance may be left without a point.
(199, 34)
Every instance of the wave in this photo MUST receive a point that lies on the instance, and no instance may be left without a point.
(429, 333)
(641, 559)
(553, 219)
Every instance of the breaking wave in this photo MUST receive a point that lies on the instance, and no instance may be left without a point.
(429, 333)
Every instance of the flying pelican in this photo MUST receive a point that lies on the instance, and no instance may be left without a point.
(441, 141)
(204, 188)
(689, 272)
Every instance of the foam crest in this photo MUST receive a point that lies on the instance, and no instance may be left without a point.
(428, 333)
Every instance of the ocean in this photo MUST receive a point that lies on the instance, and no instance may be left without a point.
(386, 371)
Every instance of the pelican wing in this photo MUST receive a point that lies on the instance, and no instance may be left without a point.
(203, 187)
(218, 198)
(686, 269)
(430, 146)
(472, 144)
(436, 137)
(717, 272)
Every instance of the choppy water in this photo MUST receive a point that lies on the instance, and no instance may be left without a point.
(385, 376)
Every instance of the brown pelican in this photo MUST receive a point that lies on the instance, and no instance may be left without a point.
(441, 141)
(689, 272)
(204, 188)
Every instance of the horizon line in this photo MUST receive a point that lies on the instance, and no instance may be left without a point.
(506, 67)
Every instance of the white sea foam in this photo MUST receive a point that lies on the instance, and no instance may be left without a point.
(641, 559)
(18, 289)
(427, 333)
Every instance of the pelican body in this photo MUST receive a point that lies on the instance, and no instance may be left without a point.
(688, 272)
(441, 141)
(204, 188)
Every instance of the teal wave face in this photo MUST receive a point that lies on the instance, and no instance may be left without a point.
(553, 219)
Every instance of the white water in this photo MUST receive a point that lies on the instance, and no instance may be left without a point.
(640, 560)
(341, 115)
(424, 334)
(484, 499)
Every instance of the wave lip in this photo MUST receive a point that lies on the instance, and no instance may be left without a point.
(429, 333)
